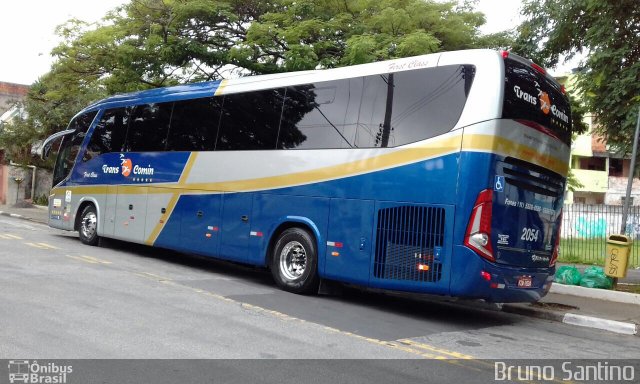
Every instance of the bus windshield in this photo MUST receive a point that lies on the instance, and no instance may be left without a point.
(70, 146)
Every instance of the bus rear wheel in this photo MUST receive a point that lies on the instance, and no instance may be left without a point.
(88, 228)
(294, 262)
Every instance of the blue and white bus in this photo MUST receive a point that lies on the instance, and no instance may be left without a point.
(440, 174)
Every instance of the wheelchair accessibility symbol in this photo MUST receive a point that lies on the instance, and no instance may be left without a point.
(498, 186)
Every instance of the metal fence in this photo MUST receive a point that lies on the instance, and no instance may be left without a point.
(585, 229)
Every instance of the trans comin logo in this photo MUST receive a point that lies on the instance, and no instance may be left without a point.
(127, 167)
(544, 100)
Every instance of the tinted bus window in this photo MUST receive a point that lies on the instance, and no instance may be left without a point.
(148, 127)
(404, 107)
(530, 96)
(250, 120)
(70, 146)
(109, 134)
(194, 125)
(321, 115)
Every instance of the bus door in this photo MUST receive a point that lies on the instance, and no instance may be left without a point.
(349, 240)
(130, 214)
(200, 228)
(109, 214)
(162, 223)
(236, 225)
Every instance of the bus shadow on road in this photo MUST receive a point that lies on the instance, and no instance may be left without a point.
(383, 315)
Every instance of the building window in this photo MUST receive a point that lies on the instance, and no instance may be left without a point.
(630, 200)
(615, 167)
(593, 163)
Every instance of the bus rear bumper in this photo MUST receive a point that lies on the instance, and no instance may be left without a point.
(481, 279)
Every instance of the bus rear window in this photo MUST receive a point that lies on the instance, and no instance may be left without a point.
(530, 97)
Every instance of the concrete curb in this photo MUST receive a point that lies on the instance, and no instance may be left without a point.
(595, 322)
(15, 215)
(620, 327)
(594, 293)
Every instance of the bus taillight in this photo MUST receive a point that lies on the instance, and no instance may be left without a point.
(478, 236)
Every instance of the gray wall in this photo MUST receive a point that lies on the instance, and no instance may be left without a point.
(42, 185)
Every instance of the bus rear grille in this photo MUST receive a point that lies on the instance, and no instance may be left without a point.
(408, 242)
(531, 177)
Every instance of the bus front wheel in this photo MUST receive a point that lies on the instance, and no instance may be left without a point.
(88, 228)
(294, 262)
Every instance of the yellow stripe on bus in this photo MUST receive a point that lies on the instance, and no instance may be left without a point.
(221, 87)
(432, 149)
(505, 147)
(173, 201)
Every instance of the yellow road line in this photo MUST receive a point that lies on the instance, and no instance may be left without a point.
(41, 246)
(414, 348)
(88, 259)
(152, 276)
(47, 246)
(10, 236)
(78, 258)
(428, 347)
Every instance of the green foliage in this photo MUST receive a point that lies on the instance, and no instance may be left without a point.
(608, 32)
(573, 184)
(153, 43)
(41, 200)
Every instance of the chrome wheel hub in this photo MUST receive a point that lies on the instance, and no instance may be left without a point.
(293, 260)
(88, 226)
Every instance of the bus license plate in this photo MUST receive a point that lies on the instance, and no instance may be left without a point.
(524, 282)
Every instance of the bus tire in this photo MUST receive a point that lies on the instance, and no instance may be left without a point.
(294, 262)
(88, 227)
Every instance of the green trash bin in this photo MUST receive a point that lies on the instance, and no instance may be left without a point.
(618, 248)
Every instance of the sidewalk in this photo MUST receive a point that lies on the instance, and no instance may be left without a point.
(587, 307)
(38, 213)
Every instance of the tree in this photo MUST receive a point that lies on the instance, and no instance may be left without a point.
(153, 43)
(609, 33)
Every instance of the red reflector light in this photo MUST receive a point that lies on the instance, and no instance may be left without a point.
(538, 68)
(478, 236)
(485, 275)
(505, 54)
(563, 89)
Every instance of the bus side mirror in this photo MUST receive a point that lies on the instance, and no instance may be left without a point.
(45, 148)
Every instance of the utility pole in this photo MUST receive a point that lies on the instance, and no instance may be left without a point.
(625, 209)
(634, 152)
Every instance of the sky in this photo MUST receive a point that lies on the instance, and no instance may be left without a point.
(27, 30)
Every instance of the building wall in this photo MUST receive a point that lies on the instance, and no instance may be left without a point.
(618, 189)
(22, 191)
(9, 93)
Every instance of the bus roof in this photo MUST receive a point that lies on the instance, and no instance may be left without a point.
(258, 82)
(485, 61)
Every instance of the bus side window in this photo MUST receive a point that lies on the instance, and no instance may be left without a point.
(426, 103)
(321, 115)
(109, 133)
(194, 124)
(148, 128)
(250, 120)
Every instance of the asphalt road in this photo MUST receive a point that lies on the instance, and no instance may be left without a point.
(63, 300)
